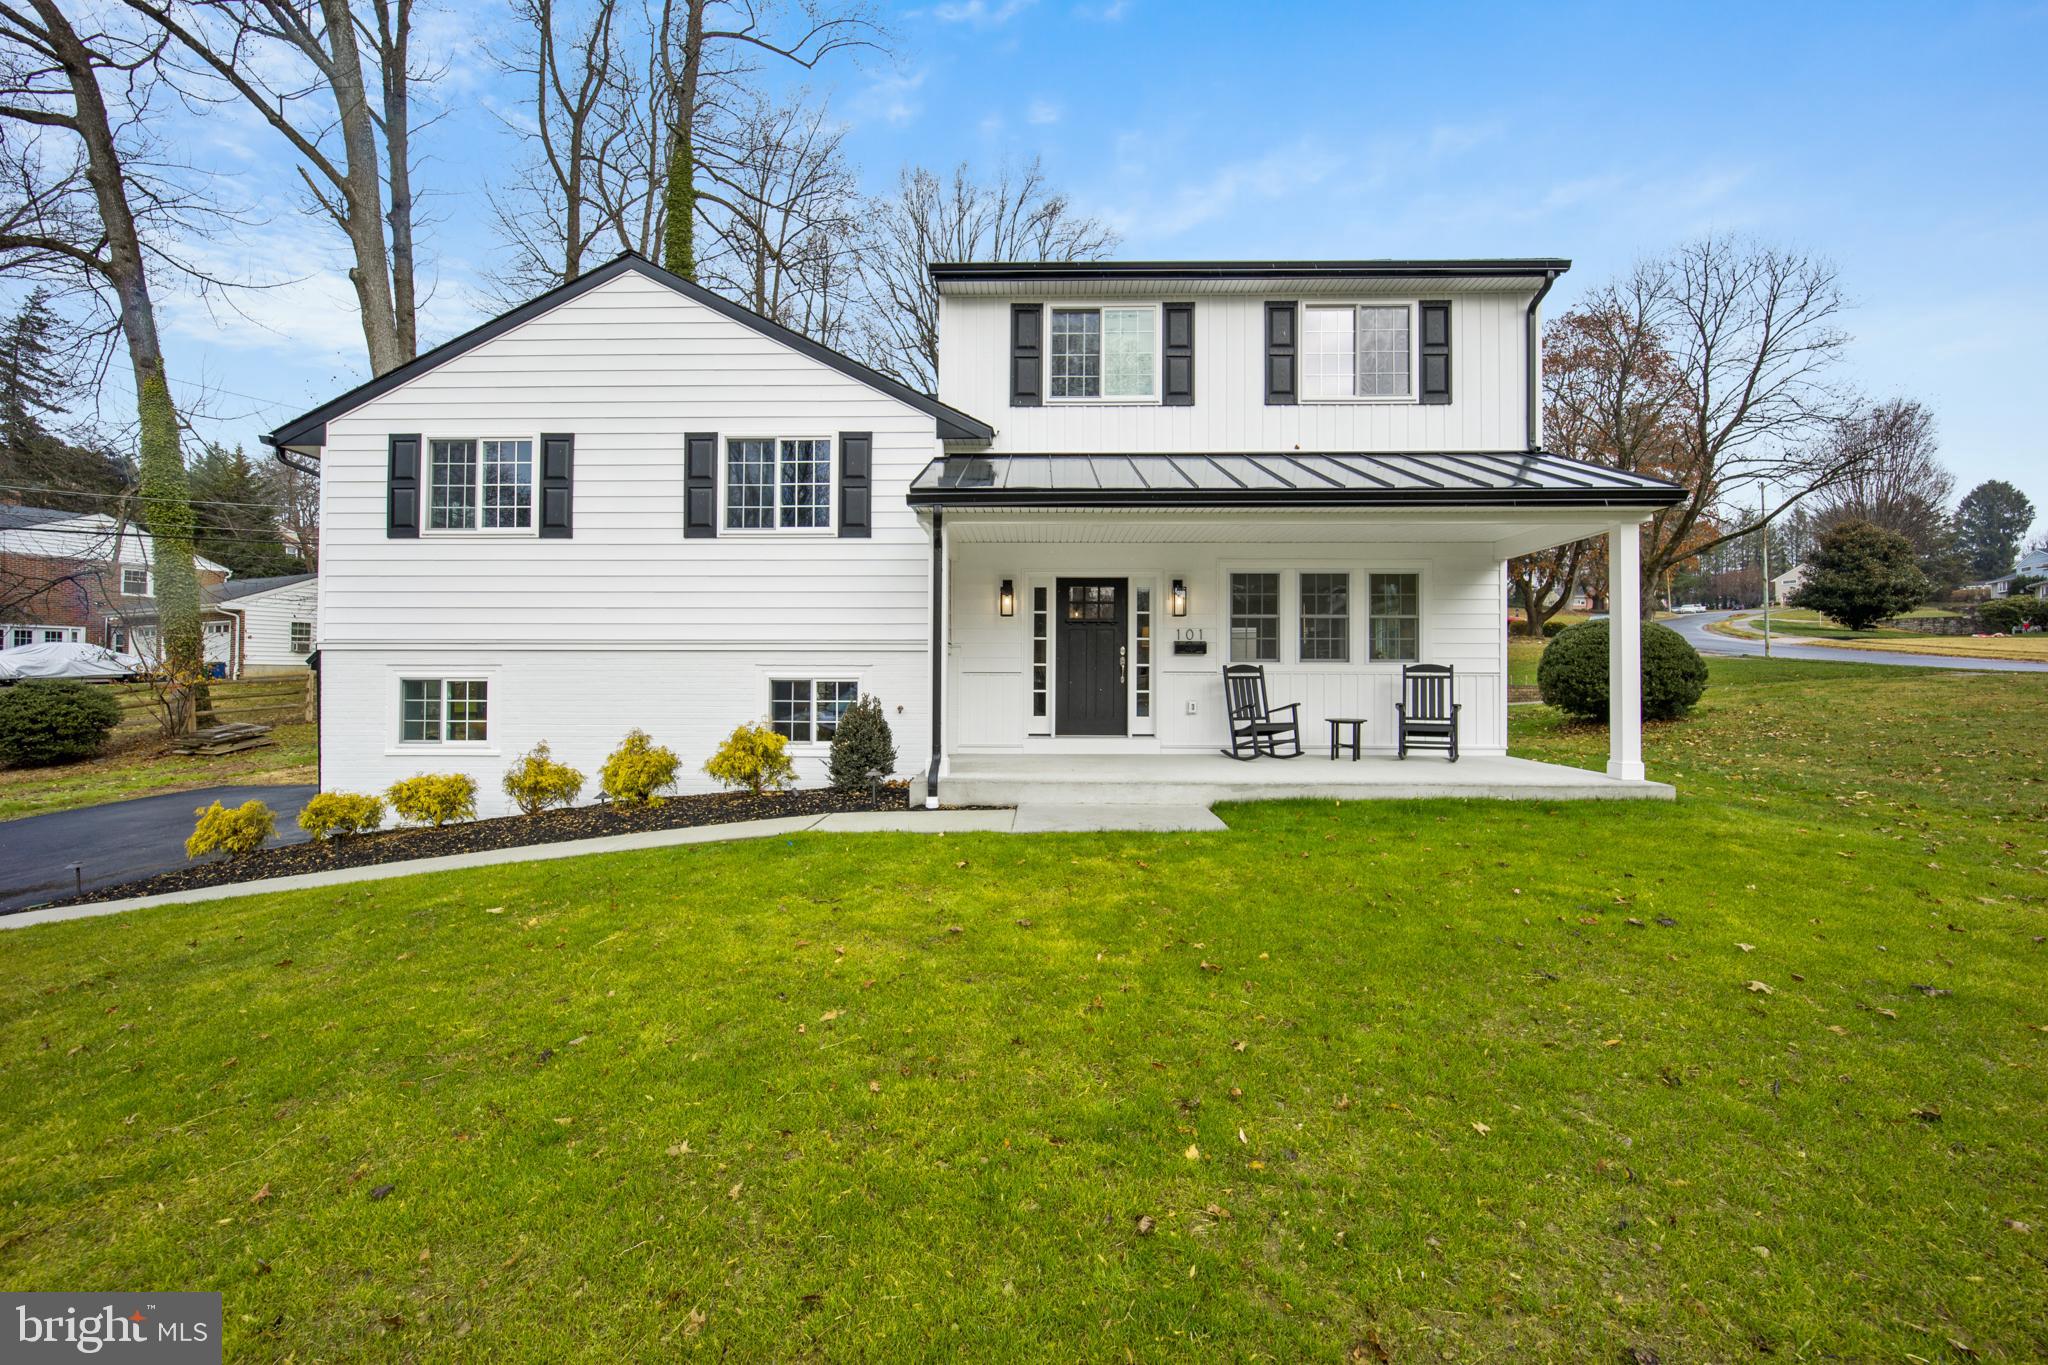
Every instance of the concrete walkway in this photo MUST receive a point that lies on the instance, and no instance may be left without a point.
(1028, 819)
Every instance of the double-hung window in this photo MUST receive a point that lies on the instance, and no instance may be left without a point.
(480, 485)
(804, 709)
(443, 711)
(1254, 618)
(134, 581)
(302, 637)
(1325, 617)
(1104, 353)
(1358, 351)
(1394, 604)
(778, 484)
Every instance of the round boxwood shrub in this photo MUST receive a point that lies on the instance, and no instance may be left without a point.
(2001, 615)
(1573, 674)
(54, 721)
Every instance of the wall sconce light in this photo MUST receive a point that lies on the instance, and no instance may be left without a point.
(1006, 599)
(1180, 597)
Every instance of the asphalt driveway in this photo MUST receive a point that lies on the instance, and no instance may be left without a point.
(1694, 629)
(121, 841)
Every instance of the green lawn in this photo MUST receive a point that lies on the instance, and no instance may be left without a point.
(1414, 1081)
(146, 770)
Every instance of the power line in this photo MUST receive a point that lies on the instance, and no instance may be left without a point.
(128, 493)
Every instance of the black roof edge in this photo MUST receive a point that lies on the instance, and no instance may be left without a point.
(310, 428)
(1241, 270)
(1291, 497)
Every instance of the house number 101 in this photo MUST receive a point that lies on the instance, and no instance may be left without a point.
(1187, 633)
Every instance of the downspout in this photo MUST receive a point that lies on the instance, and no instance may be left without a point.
(931, 781)
(1534, 344)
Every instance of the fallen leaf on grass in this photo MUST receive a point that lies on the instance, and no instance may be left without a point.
(494, 910)
(1760, 988)
(380, 1191)
(1343, 1102)
(1927, 1115)
(1889, 1014)
(734, 1192)
(1193, 1153)
(260, 1195)
(1747, 947)
(2017, 1226)
(829, 1015)
(695, 1323)
(1145, 1225)
(1480, 1128)
(874, 1087)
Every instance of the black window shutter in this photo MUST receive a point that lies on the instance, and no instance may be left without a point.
(700, 485)
(1027, 322)
(1436, 352)
(1178, 387)
(1281, 387)
(557, 486)
(402, 489)
(856, 461)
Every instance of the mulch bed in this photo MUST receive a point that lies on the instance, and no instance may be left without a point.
(508, 831)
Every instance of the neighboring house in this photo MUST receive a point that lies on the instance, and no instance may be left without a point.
(2030, 566)
(78, 576)
(1787, 583)
(631, 502)
(273, 622)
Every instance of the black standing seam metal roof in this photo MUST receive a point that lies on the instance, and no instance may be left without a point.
(310, 429)
(1285, 479)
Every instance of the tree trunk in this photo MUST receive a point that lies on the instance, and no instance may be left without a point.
(363, 193)
(679, 193)
(395, 50)
(166, 499)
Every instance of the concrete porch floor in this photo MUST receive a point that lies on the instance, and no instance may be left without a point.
(1202, 779)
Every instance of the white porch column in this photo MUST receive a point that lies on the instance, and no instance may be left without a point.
(1624, 652)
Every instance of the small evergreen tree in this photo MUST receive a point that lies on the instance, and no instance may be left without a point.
(862, 744)
(1858, 574)
(236, 508)
(1989, 522)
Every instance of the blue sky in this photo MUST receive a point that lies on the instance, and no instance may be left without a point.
(1908, 144)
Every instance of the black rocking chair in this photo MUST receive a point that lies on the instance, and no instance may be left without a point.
(1427, 717)
(1256, 728)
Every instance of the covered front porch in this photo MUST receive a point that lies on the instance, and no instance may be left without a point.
(1086, 607)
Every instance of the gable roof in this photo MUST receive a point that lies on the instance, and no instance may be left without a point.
(310, 429)
(1509, 478)
(249, 587)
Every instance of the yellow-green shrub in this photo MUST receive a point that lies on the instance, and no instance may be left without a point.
(333, 815)
(237, 833)
(536, 781)
(753, 757)
(638, 771)
(434, 798)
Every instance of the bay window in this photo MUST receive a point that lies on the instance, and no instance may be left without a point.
(1357, 351)
(1104, 353)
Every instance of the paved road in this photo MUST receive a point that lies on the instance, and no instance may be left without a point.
(121, 841)
(1694, 628)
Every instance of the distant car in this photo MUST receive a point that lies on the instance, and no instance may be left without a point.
(1689, 609)
(1597, 616)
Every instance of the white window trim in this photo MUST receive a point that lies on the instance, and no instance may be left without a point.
(147, 582)
(831, 527)
(810, 677)
(531, 531)
(1096, 306)
(1413, 395)
(394, 714)
(1360, 613)
(291, 637)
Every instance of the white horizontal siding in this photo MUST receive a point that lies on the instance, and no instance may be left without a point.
(989, 673)
(628, 368)
(583, 701)
(267, 625)
(1487, 410)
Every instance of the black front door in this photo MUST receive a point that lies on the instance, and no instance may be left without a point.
(1091, 662)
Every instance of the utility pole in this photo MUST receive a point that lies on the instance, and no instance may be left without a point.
(1764, 529)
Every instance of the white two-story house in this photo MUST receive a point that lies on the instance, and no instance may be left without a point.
(631, 502)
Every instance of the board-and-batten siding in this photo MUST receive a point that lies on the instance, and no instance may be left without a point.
(1487, 411)
(628, 368)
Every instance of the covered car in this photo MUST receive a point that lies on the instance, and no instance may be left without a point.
(68, 660)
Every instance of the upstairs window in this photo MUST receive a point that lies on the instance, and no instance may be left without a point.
(1104, 353)
(480, 485)
(134, 581)
(778, 484)
(1365, 351)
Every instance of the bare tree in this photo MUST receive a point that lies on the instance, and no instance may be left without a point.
(784, 241)
(1014, 217)
(1898, 480)
(322, 74)
(78, 199)
(297, 494)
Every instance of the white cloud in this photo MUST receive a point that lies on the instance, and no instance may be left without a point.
(1108, 13)
(1276, 175)
(1042, 112)
(891, 97)
(980, 13)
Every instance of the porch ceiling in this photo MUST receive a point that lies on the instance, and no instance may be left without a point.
(1506, 533)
